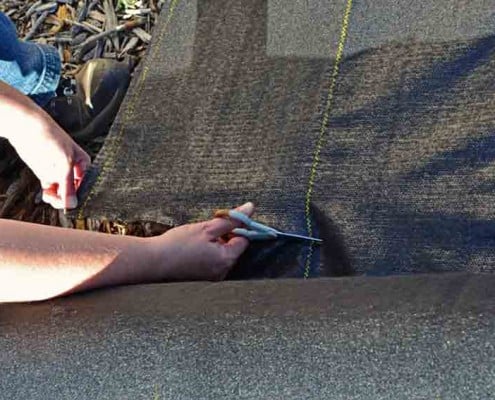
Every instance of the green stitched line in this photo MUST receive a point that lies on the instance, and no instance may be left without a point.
(114, 146)
(323, 128)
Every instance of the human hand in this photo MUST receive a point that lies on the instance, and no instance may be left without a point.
(54, 157)
(198, 251)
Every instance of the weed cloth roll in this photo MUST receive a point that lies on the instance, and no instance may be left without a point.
(368, 124)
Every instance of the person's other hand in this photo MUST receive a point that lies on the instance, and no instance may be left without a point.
(198, 251)
(54, 157)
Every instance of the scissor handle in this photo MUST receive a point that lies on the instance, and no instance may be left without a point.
(254, 235)
(254, 231)
(256, 226)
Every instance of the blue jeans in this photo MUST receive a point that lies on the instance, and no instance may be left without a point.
(33, 69)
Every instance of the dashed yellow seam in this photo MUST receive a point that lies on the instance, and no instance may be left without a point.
(323, 128)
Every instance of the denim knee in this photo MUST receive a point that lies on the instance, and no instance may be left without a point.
(33, 69)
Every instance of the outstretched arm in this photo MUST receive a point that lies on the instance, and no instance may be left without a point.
(40, 262)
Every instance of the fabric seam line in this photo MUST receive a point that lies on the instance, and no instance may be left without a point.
(323, 128)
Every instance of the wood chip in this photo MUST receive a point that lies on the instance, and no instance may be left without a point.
(142, 34)
(81, 224)
(85, 25)
(36, 25)
(130, 45)
(141, 11)
(33, 8)
(66, 55)
(97, 16)
(111, 22)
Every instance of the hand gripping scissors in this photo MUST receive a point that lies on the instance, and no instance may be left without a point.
(258, 231)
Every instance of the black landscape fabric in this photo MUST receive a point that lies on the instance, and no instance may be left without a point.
(369, 124)
(427, 336)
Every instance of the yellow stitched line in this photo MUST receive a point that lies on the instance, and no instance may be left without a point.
(114, 146)
(324, 125)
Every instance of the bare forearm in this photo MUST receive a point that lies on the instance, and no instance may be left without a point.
(39, 262)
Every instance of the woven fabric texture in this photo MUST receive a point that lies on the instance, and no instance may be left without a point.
(363, 338)
(368, 125)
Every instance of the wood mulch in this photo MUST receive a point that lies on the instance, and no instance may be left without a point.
(81, 30)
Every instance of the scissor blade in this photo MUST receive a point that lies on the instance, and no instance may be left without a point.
(294, 236)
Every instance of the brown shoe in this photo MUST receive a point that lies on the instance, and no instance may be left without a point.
(86, 106)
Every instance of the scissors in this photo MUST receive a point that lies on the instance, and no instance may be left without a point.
(256, 230)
